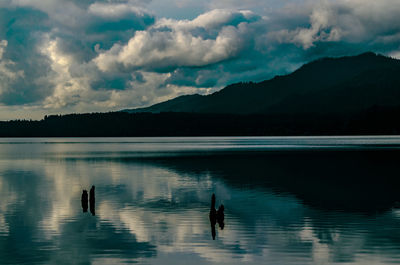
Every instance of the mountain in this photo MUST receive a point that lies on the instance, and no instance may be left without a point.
(329, 86)
(358, 95)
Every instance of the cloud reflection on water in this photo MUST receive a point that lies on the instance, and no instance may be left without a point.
(156, 210)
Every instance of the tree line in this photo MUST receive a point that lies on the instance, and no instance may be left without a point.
(374, 121)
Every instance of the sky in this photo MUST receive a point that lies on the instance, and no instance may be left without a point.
(59, 56)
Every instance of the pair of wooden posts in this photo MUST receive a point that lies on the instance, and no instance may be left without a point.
(84, 201)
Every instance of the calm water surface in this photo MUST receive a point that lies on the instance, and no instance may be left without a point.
(288, 200)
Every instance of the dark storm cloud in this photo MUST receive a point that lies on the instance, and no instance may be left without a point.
(20, 30)
(43, 42)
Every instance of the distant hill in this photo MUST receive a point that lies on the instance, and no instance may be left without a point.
(329, 86)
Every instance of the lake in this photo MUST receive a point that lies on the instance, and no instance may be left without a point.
(287, 200)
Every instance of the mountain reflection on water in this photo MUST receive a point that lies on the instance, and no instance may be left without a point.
(281, 207)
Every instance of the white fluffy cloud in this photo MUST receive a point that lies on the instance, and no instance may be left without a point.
(115, 11)
(323, 27)
(171, 43)
(353, 21)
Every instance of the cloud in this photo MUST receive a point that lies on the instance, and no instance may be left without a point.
(114, 17)
(115, 11)
(210, 38)
(8, 74)
(78, 56)
(48, 63)
(342, 20)
(322, 29)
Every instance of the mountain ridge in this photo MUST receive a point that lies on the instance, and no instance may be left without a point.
(356, 82)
